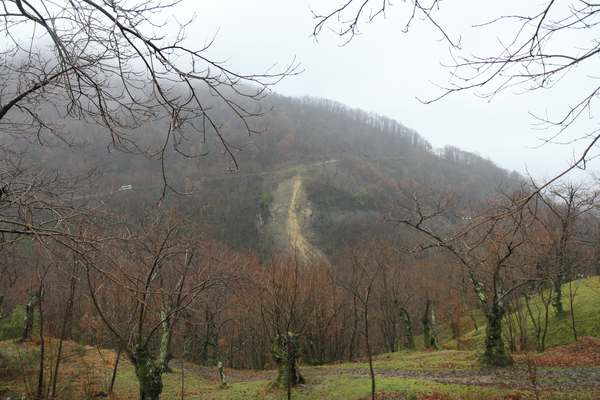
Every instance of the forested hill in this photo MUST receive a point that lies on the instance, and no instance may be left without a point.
(316, 167)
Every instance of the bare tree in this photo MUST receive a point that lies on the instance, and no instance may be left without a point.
(96, 56)
(156, 268)
(567, 204)
(489, 253)
(280, 294)
(361, 285)
(351, 14)
(531, 47)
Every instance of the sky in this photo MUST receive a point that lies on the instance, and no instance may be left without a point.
(385, 71)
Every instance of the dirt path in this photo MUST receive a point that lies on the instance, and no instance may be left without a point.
(289, 226)
(296, 238)
(516, 377)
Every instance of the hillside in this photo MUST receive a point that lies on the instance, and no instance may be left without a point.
(348, 167)
(586, 319)
(565, 372)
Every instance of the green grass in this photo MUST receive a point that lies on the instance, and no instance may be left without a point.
(328, 387)
(587, 318)
(351, 388)
(334, 382)
(418, 361)
(12, 326)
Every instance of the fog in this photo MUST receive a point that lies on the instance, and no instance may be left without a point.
(386, 71)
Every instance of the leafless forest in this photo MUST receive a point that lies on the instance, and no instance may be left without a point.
(180, 221)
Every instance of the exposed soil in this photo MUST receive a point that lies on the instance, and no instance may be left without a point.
(290, 212)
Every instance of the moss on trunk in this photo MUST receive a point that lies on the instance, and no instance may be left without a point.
(495, 352)
(557, 300)
(286, 351)
(149, 375)
(409, 338)
(429, 336)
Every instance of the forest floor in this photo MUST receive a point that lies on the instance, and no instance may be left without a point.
(568, 369)
(563, 372)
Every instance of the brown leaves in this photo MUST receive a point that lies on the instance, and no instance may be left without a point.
(583, 353)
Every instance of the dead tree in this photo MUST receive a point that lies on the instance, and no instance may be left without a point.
(361, 285)
(280, 294)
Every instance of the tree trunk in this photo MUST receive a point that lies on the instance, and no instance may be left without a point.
(557, 302)
(40, 383)
(113, 377)
(65, 330)
(149, 375)
(286, 353)
(369, 352)
(495, 353)
(409, 338)
(572, 306)
(354, 330)
(29, 317)
(429, 339)
(165, 356)
(2, 315)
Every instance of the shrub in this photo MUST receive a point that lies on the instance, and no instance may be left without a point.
(12, 326)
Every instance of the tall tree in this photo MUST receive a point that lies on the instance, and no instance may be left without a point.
(157, 270)
(567, 204)
(489, 250)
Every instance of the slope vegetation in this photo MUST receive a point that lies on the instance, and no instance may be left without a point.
(570, 370)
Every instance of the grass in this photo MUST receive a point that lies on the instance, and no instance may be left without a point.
(419, 361)
(587, 319)
(11, 327)
(86, 370)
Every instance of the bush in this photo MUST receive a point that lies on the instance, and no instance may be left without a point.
(16, 361)
(12, 326)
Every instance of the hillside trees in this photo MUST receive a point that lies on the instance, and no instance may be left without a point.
(526, 47)
(566, 204)
(115, 65)
(89, 60)
(489, 251)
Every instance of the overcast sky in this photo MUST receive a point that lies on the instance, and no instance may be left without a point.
(384, 70)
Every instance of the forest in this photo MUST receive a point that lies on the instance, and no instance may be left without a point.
(172, 228)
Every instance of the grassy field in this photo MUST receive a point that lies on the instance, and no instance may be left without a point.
(405, 375)
(564, 372)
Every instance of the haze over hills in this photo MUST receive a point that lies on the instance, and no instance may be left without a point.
(320, 176)
(171, 228)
